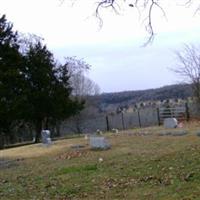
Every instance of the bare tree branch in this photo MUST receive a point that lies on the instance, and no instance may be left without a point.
(140, 5)
(144, 7)
(105, 4)
(189, 67)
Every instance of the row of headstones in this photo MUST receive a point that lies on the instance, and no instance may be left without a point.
(100, 142)
(96, 142)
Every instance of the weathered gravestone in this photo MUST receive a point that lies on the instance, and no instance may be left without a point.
(170, 123)
(77, 146)
(165, 133)
(97, 142)
(46, 137)
(99, 132)
(173, 133)
(86, 137)
(179, 133)
(114, 130)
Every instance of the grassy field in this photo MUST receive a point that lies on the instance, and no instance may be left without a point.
(140, 165)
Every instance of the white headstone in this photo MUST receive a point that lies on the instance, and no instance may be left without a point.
(46, 137)
(114, 130)
(99, 143)
(170, 123)
(86, 137)
(99, 132)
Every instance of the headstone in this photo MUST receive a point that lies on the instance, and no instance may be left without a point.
(33, 140)
(99, 132)
(114, 130)
(170, 123)
(77, 146)
(86, 137)
(165, 133)
(173, 133)
(97, 142)
(179, 133)
(46, 137)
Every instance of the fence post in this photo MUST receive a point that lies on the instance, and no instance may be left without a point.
(158, 116)
(122, 115)
(107, 123)
(187, 112)
(139, 120)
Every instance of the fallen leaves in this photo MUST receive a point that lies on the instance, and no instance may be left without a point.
(72, 154)
(110, 183)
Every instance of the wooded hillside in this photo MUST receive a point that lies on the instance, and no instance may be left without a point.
(178, 91)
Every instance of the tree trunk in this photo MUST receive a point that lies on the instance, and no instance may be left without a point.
(1, 141)
(38, 127)
(57, 129)
(46, 123)
(12, 138)
(78, 123)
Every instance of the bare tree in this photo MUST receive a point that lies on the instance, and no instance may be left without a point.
(83, 89)
(189, 68)
(26, 40)
(82, 85)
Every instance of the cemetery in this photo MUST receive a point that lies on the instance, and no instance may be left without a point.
(62, 138)
(160, 162)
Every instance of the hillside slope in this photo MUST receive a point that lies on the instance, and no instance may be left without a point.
(181, 91)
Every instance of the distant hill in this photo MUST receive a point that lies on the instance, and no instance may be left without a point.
(178, 91)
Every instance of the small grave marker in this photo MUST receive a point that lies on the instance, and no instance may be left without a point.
(114, 130)
(86, 137)
(173, 133)
(97, 142)
(46, 137)
(170, 123)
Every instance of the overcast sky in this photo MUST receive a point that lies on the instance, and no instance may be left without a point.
(115, 52)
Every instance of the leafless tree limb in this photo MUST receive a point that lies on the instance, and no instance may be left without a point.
(105, 4)
(189, 67)
(144, 7)
(148, 5)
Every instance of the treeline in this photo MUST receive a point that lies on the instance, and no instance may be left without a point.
(178, 91)
(35, 89)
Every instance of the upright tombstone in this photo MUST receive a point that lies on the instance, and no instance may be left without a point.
(99, 132)
(170, 123)
(86, 137)
(97, 142)
(46, 139)
(114, 130)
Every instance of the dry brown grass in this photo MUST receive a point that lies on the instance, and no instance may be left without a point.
(140, 165)
(38, 150)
